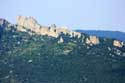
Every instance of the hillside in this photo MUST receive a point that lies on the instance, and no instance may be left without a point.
(33, 53)
(108, 34)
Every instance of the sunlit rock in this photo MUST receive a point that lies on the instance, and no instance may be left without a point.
(28, 22)
(92, 40)
(30, 25)
(117, 43)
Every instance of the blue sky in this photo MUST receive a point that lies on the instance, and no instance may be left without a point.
(76, 14)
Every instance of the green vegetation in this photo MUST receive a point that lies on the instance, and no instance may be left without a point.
(40, 59)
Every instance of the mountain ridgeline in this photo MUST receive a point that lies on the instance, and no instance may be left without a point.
(33, 53)
(108, 34)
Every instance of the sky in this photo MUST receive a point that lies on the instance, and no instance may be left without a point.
(76, 14)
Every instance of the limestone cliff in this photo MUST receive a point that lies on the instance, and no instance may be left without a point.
(29, 23)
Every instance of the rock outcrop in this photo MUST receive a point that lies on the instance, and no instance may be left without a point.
(92, 40)
(30, 24)
(117, 43)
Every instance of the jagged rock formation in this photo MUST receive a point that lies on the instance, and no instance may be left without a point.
(29, 23)
(117, 43)
(92, 40)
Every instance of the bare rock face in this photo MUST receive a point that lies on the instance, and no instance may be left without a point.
(29, 23)
(117, 43)
(92, 40)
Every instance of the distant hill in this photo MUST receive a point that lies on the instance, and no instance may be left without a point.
(109, 34)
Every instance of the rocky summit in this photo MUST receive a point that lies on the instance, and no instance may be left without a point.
(34, 53)
(30, 25)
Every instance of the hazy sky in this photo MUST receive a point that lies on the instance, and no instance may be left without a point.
(76, 14)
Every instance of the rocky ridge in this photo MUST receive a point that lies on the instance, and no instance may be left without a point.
(30, 25)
